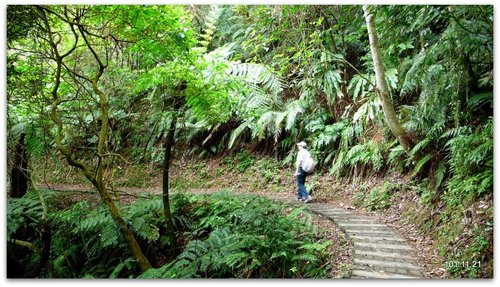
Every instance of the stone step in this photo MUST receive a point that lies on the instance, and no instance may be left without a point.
(403, 268)
(365, 227)
(361, 274)
(321, 208)
(394, 248)
(343, 217)
(324, 207)
(328, 212)
(350, 219)
(382, 256)
(329, 209)
(347, 223)
(355, 220)
(379, 251)
(335, 214)
(356, 232)
(379, 239)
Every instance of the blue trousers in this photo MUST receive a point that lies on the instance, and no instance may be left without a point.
(301, 181)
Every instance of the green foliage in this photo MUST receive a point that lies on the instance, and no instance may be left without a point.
(421, 163)
(440, 173)
(227, 236)
(263, 78)
(379, 198)
(474, 260)
(471, 164)
(21, 121)
(243, 161)
(241, 237)
(85, 240)
(23, 212)
(471, 173)
(90, 240)
(368, 153)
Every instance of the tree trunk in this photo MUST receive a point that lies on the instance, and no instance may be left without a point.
(19, 175)
(95, 176)
(169, 143)
(46, 237)
(382, 90)
(98, 181)
(127, 234)
(178, 103)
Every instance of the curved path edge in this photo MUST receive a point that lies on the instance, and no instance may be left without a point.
(379, 252)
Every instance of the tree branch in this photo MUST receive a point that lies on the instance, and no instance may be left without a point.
(27, 244)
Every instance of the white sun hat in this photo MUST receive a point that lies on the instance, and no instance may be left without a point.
(302, 144)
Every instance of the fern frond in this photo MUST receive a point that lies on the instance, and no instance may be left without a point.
(331, 85)
(480, 99)
(420, 146)
(439, 174)
(210, 20)
(420, 164)
(258, 74)
(305, 257)
(292, 110)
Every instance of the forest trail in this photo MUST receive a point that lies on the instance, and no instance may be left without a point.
(379, 252)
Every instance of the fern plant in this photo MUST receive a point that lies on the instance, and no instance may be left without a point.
(240, 237)
(471, 163)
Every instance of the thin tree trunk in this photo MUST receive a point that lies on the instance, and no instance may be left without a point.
(127, 234)
(19, 174)
(382, 90)
(178, 103)
(94, 176)
(169, 143)
(98, 182)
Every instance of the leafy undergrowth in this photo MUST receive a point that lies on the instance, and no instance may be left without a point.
(451, 225)
(246, 237)
(221, 236)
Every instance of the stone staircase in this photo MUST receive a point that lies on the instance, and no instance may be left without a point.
(379, 252)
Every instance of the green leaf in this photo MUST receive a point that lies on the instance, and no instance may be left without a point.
(440, 173)
(420, 164)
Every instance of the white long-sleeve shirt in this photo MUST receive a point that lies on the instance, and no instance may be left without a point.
(302, 157)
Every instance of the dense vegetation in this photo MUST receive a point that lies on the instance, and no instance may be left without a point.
(113, 89)
(226, 236)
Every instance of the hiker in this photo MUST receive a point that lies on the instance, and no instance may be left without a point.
(304, 163)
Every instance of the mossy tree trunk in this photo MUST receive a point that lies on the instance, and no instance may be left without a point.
(382, 90)
(94, 175)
